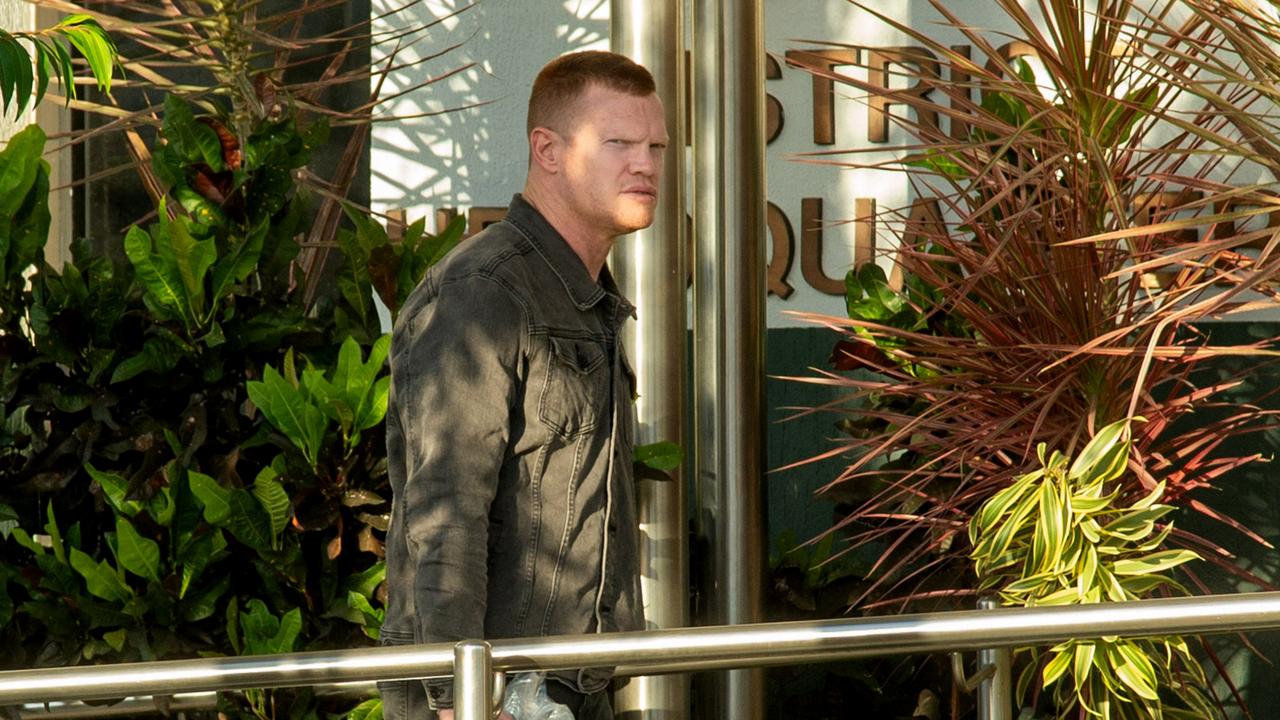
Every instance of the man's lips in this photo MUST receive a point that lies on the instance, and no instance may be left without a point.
(650, 193)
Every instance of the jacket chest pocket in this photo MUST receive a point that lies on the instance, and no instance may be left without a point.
(575, 391)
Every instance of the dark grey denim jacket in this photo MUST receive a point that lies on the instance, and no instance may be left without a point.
(514, 510)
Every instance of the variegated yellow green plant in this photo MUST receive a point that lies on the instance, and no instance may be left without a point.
(1060, 535)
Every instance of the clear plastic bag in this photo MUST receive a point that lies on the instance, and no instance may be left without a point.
(526, 699)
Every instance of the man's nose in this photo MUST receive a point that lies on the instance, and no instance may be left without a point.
(646, 162)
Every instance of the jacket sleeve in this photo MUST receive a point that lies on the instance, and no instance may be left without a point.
(455, 373)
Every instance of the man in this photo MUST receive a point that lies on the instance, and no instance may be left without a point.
(511, 424)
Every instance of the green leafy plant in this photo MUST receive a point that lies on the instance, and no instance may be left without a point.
(24, 210)
(50, 54)
(1059, 536)
(154, 504)
(351, 401)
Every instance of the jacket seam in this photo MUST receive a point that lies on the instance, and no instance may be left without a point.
(562, 552)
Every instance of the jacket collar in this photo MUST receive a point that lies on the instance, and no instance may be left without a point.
(563, 261)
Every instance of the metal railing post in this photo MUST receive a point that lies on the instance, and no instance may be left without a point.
(472, 680)
(995, 693)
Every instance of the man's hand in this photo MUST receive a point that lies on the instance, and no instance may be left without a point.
(448, 715)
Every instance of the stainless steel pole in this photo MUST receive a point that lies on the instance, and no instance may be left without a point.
(995, 694)
(472, 680)
(651, 268)
(729, 323)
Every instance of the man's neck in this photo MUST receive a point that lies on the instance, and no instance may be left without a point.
(590, 246)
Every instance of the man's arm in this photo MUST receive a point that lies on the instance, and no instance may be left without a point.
(455, 371)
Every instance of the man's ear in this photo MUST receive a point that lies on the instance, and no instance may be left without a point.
(544, 148)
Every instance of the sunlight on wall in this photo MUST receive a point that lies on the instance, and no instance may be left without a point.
(472, 150)
(15, 15)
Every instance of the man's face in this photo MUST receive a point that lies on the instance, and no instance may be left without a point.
(612, 159)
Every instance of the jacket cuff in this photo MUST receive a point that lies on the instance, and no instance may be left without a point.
(439, 693)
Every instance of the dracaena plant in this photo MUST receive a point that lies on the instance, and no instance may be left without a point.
(1060, 535)
(1077, 214)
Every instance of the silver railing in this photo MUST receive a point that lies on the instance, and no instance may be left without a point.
(474, 664)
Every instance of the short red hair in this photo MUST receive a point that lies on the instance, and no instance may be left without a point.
(562, 81)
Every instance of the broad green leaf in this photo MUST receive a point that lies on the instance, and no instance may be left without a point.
(372, 407)
(275, 501)
(1105, 456)
(44, 67)
(366, 581)
(1121, 117)
(94, 43)
(1056, 667)
(162, 285)
(215, 498)
(233, 624)
(1153, 563)
(1000, 503)
(1083, 665)
(116, 639)
(19, 164)
(28, 542)
(233, 509)
(196, 555)
(248, 522)
(239, 263)
(8, 522)
(55, 534)
(372, 617)
(191, 257)
(1141, 585)
(115, 490)
(1047, 542)
(1028, 584)
(1136, 525)
(367, 710)
(188, 137)
(435, 249)
(100, 578)
(1136, 671)
(66, 70)
(663, 456)
(1088, 572)
(264, 633)
(139, 555)
(13, 60)
(162, 505)
(288, 409)
(204, 603)
(1084, 503)
(1150, 499)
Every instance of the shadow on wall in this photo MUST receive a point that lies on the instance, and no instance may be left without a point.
(465, 149)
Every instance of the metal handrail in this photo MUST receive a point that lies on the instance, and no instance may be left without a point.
(666, 651)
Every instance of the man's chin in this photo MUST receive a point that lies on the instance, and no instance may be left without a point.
(638, 221)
